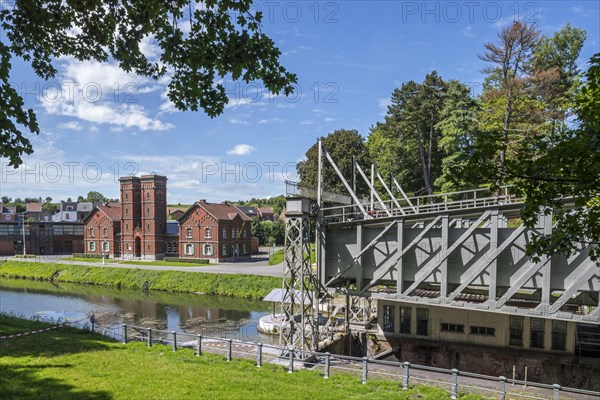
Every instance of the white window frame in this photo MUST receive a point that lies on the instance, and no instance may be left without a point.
(92, 232)
(188, 249)
(188, 232)
(105, 246)
(207, 233)
(223, 249)
(224, 233)
(91, 246)
(208, 249)
(105, 232)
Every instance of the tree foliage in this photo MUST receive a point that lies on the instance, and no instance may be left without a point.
(200, 43)
(342, 145)
(426, 135)
(565, 179)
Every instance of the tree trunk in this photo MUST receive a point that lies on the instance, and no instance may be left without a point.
(426, 177)
(505, 129)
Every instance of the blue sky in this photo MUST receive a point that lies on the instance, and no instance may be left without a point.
(98, 123)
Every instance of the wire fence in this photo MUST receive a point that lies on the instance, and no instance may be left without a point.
(405, 373)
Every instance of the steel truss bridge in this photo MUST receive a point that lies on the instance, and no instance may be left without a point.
(463, 250)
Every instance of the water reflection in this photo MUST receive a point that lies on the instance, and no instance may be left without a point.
(192, 313)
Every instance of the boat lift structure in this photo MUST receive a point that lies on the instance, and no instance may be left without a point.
(453, 250)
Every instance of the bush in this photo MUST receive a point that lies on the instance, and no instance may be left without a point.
(83, 255)
(187, 260)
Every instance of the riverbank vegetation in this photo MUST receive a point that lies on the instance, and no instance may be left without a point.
(237, 285)
(74, 364)
(159, 263)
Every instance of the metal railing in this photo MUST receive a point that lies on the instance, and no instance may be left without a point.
(451, 201)
(405, 373)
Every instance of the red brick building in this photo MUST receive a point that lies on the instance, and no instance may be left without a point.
(217, 232)
(144, 216)
(102, 233)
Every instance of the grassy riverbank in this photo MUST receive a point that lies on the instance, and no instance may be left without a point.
(246, 286)
(71, 364)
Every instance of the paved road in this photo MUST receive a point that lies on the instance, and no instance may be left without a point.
(259, 265)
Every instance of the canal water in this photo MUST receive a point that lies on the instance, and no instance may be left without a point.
(211, 316)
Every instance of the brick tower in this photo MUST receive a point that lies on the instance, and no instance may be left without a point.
(154, 215)
(143, 216)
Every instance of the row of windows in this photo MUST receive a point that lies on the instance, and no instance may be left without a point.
(209, 250)
(559, 328)
(235, 233)
(158, 196)
(67, 229)
(92, 232)
(537, 333)
(105, 246)
(56, 230)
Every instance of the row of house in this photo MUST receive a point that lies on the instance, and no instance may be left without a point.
(138, 227)
(68, 212)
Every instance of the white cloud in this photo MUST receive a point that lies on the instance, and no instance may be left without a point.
(103, 93)
(308, 122)
(72, 125)
(468, 32)
(329, 119)
(241, 150)
(274, 120)
(237, 121)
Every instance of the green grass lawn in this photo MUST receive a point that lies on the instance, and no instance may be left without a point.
(166, 263)
(89, 259)
(70, 364)
(276, 257)
(279, 256)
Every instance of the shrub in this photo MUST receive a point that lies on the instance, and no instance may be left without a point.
(187, 260)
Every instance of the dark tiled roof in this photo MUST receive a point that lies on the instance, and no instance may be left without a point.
(249, 211)
(69, 206)
(222, 211)
(112, 211)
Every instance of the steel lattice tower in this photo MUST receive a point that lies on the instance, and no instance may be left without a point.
(299, 303)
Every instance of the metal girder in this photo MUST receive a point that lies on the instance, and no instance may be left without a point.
(381, 271)
(434, 264)
(346, 185)
(475, 270)
(528, 271)
(584, 276)
(404, 194)
(373, 191)
(544, 305)
(356, 257)
(389, 192)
